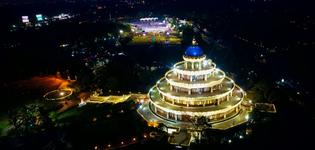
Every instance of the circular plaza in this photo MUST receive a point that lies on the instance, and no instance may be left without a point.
(59, 94)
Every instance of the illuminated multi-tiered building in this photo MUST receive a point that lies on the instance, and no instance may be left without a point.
(195, 89)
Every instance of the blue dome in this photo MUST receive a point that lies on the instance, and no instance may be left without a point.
(194, 51)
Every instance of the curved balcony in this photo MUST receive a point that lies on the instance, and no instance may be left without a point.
(205, 70)
(164, 88)
(211, 81)
(226, 106)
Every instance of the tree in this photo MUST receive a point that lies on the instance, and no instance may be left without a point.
(28, 118)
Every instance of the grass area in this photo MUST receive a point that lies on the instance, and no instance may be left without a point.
(4, 126)
(69, 113)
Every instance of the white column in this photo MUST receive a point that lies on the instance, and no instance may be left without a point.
(204, 103)
(191, 78)
(189, 91)
(199, 66)
(186, 65)
(187, 105)
(173, 101)
(192, 66)
(227, 98)
(171, 87)
(167, 115)
(224, 116)
(175, 116)
(206, 77)
(211, 89)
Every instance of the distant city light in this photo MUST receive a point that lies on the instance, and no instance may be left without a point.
(62, 16)
(39, 17)
(121, 31)
(25, 19)
(282, 80)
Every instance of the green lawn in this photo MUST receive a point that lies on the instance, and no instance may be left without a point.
(68, 114)
(4, 126)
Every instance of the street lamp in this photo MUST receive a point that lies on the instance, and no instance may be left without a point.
(121, 31)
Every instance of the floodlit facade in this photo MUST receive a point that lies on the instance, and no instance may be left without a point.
(194, 89)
